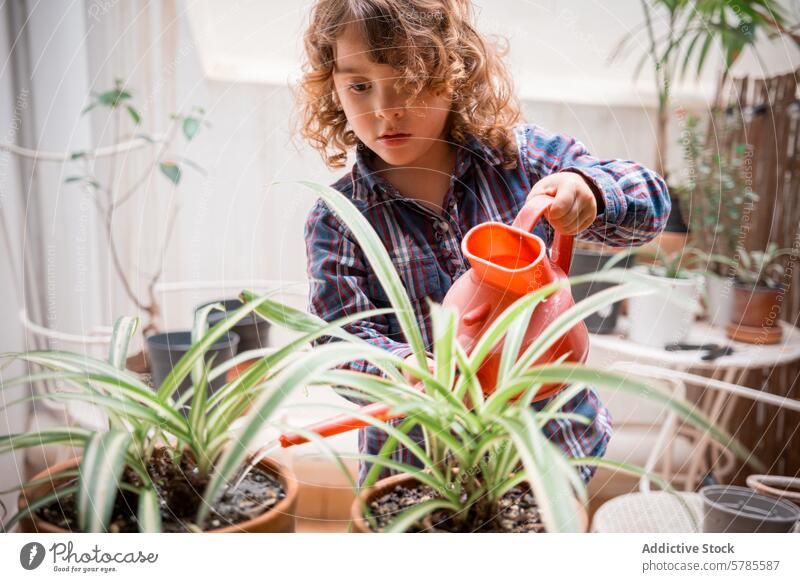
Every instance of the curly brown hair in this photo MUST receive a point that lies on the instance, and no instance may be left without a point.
(435, 46)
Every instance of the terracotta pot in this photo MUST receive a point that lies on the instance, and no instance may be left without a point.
(755, 306)
(754, 316)
(279, 519)
(384, 486)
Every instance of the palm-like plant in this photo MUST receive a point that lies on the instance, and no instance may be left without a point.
(478, 447)
(691, 28)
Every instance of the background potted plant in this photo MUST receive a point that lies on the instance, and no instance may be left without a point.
(590, 258)
(692, 28)
(716, 196)
(103, 183)
(253, 331)
(486, 464)
(757, 295)
(664, 317)
(155, 468)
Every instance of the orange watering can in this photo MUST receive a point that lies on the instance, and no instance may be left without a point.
(507, 262)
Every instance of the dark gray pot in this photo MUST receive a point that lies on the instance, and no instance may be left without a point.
(165, 349)
(252, 329)
(732, 509)
(583, 263)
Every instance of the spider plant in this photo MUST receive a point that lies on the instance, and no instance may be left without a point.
(478, 447)
(140, 420)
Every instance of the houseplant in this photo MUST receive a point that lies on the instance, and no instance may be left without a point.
(165, 349)
(717, 197)
(253, 330)
(110, 197)
(155, 469)
(665, 317)
(693, 27)
(589, 258)
(103, 172)
(757, 295)
(479, 452)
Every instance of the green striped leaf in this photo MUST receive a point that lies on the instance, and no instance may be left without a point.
(124, 328)
(69, 362)
(53, 436)
(408, 518)
(183, 367)
(574, 315)
(569, 373)
(148, 513)
(445, 323)
(101, 469)
(550, 484)
(378, 257)
(39, 502)
(513, 342)
(299, 373)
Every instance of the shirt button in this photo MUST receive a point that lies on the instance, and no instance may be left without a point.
(444, 226)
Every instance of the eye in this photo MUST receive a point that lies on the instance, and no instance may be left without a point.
(358, 87)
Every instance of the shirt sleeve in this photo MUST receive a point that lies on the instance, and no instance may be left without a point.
(633, 201)
(337, 272)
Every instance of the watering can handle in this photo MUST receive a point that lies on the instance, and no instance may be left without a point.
(531, 213)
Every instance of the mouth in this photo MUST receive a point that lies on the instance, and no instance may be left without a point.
(394, 138)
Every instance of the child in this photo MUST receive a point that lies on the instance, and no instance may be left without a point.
(428, 106)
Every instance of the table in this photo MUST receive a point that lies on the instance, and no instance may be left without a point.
(718, 406)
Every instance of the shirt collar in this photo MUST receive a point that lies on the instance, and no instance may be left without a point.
(366, 181)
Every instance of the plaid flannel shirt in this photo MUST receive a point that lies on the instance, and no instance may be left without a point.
(425, 247)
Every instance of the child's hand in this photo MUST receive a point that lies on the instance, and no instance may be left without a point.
(417, 383)
(575, 206)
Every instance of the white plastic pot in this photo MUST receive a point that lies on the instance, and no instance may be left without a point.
(663, 317)
(719, 299)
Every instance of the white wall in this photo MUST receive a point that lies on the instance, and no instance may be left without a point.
(12, 107)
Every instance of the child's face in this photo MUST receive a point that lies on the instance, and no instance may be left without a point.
(375, 109)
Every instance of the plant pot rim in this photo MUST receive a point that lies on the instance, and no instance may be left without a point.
(284, 475)
(738, 491)
(751, 288)
(361, 525)
(231, 337)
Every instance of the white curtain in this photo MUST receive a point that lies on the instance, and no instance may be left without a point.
(56, 261)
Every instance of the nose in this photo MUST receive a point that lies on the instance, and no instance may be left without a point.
(387, 113)
(390, 105)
